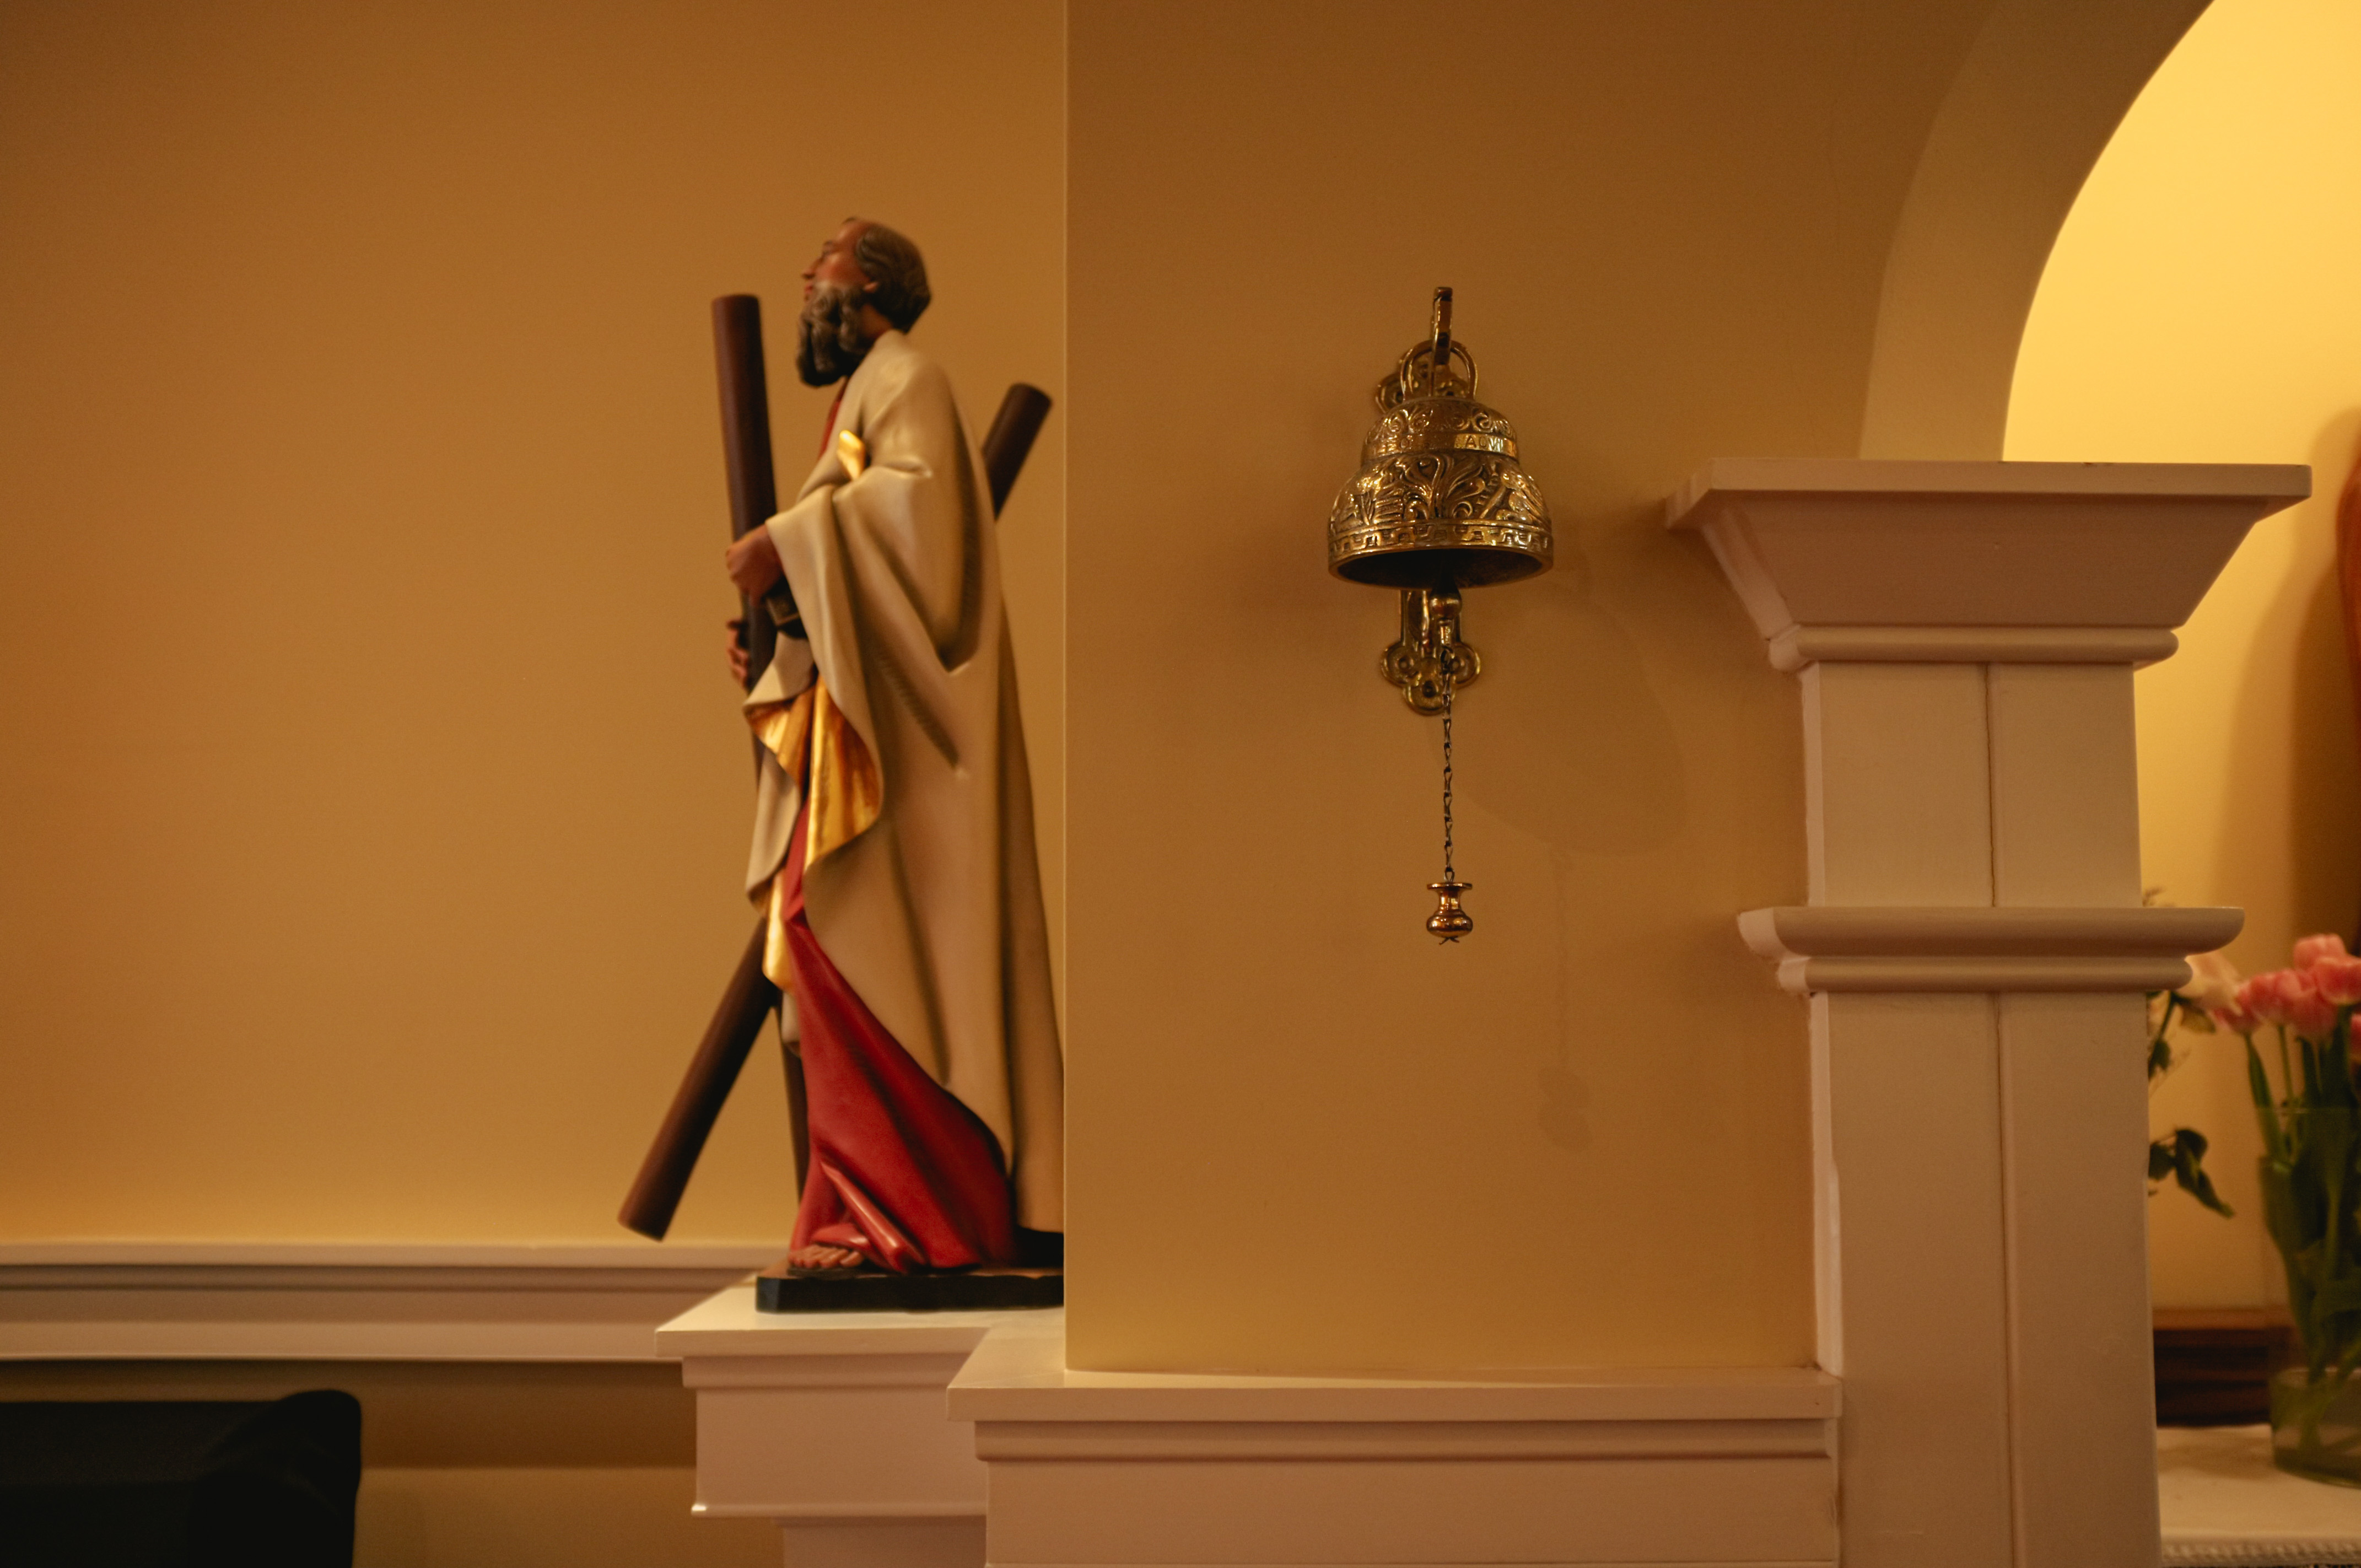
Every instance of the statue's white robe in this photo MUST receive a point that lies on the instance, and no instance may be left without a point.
(933, 913)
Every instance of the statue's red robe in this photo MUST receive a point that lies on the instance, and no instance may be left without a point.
(894, 846)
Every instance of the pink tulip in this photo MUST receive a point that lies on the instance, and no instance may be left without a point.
(2310, 1014)
(2339, 979)
(2234, 1018)
(2261, 996)
(2312, 951)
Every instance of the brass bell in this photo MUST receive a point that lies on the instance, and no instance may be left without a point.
(1441, 504)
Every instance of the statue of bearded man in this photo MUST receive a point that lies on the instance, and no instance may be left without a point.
(894, 817)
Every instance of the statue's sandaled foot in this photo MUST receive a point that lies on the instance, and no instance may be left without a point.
(822, 1261)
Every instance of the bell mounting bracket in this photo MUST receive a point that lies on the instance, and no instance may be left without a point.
(1429, 658)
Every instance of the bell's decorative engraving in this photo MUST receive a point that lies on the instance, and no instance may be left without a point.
(1441, 500)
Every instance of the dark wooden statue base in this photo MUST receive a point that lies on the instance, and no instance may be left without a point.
(976, 1290)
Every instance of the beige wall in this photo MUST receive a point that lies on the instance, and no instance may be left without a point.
(1301, 1134)
(370, 864)
(374, 801)
(2200, 305)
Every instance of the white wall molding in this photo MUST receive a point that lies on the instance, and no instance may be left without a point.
(1963, 976)
(137, 1252)
(1965, 634)
(1724, 1465)
(368, 1301)
(2149, 931)
(1386, 1440)
(2322, 1553)
(1984, 949)
(1800, 645)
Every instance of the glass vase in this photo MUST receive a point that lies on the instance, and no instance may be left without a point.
(2316, 1425)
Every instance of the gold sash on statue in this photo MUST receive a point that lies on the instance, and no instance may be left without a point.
(842, 793)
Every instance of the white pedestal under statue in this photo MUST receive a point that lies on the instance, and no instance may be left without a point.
(833, 1425)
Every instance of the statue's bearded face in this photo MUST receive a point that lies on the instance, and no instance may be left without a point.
(831, 343)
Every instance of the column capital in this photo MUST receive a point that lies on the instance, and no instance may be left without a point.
(1975, 563)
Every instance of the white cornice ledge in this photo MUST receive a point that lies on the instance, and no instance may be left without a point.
(1800, 645)
(1947, 479)
(1975, 563)
(344, 1302)
(1982, 949)
(2261, 1552)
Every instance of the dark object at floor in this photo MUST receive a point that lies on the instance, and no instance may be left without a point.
(978, 1290)
(2214, 1366)
(188, 1484)
(1040, 1249)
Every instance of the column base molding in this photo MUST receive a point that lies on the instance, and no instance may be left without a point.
(1597, 1468)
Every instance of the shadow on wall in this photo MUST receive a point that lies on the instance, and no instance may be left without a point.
(1611, 782)
(2324, 780)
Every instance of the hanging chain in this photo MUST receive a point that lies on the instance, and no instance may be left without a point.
(1450, 687)
(1449, 921)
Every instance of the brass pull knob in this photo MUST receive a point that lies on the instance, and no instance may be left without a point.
(1449, 921)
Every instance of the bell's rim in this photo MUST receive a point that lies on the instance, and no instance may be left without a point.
(1467, 564)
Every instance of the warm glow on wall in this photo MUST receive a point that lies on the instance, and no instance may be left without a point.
(2201, 306)
(361, 514)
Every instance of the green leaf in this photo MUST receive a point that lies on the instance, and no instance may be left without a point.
(2182, 1154)
(2267, 1113)
(2211, 1199)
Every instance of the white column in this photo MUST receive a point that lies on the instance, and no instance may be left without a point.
(1975, 950)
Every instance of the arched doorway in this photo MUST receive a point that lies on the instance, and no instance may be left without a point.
(2199, 306)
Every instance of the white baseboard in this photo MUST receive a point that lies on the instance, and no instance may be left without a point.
(353, 1301)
